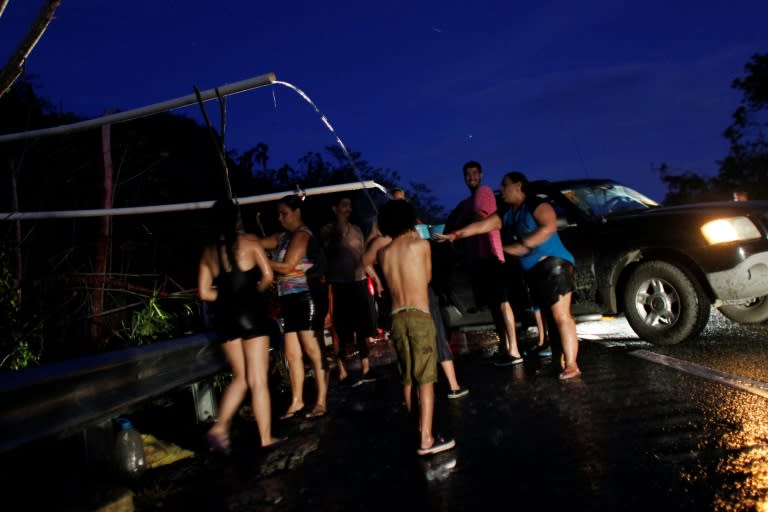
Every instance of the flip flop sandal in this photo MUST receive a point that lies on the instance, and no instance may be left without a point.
(440, 445)
(293, 414)
(316, 414)
(569, 375)
(219, 443)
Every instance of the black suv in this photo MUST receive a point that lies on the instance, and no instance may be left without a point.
(663, 267)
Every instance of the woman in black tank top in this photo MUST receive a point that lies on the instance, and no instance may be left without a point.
(234, 274)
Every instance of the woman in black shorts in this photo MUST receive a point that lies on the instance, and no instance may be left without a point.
(298, 308)
(234, 273)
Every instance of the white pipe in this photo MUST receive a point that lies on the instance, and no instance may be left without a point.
(139, 210)
(224, 90)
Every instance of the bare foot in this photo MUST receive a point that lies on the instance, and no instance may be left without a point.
(274, 441)
(343, 374)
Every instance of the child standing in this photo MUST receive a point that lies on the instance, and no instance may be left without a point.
(407, 267)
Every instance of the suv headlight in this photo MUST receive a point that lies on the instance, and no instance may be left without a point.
(729, 230)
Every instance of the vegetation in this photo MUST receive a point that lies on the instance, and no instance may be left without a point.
(745, 167)
(16, 342)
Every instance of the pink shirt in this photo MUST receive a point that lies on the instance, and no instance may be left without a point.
(482, 204)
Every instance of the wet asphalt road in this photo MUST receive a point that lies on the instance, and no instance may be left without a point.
(630, 434)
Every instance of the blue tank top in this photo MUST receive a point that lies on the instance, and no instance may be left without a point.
(523, 223)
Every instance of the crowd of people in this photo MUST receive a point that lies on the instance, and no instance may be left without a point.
(322, 280)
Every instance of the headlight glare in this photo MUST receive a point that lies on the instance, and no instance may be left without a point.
(721, 231)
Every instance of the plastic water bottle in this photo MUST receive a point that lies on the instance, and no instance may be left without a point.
(129, 449)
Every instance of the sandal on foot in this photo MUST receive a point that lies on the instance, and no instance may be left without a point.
(218, 443)
(292, 414)
(569, 374)
(316, 413)
(441, 444)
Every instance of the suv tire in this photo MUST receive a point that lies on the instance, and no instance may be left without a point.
(753, 312)
(663, 305)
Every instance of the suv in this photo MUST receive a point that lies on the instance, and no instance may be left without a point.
(662, 267)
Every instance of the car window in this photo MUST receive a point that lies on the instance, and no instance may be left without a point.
(604, 199)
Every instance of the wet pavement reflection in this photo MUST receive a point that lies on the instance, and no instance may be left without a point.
(627, 435)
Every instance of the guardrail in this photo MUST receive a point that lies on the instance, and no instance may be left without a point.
(67, 397)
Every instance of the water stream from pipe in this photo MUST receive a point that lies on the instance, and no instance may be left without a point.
(327, 124)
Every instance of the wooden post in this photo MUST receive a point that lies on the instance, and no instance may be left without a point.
(103, 242)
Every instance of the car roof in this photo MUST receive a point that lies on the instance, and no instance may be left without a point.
(572, 183)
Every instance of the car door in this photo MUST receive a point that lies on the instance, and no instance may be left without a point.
(579, 236)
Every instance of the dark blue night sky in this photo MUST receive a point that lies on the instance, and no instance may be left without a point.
(557, 89)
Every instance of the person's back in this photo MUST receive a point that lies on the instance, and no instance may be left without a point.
(237, 272)
(239, 297)
(233, 273)
(406, 263)
(407, 266)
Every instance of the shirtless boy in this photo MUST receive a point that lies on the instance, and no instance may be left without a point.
(407, 267)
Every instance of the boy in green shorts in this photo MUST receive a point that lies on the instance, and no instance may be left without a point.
(407, 267)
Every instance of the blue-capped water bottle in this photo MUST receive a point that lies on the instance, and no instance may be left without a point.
(129, 449)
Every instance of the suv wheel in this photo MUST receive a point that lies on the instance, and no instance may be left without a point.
(663, 305)
(752, 312)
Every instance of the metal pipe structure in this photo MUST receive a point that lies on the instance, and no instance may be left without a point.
(184, 101)
(138, 210)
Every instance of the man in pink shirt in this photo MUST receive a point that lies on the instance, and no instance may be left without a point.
(485, 261)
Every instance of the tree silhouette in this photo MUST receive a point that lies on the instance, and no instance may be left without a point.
(260, 155)
(745, 167)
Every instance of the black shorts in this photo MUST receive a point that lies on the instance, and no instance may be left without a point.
(321, 299)
(517, 291)
(488, 282)
(549, 279)
(354, 314)
(249, 319)
(298, 312)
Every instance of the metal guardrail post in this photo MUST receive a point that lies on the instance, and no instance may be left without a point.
(204, 398)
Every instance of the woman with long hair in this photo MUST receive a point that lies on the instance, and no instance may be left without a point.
(234, 273)
(302, 315)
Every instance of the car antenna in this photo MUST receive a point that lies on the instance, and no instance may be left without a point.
(581, 159)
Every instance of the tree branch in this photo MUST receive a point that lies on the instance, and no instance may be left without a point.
(15, 65)
(3, 5)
